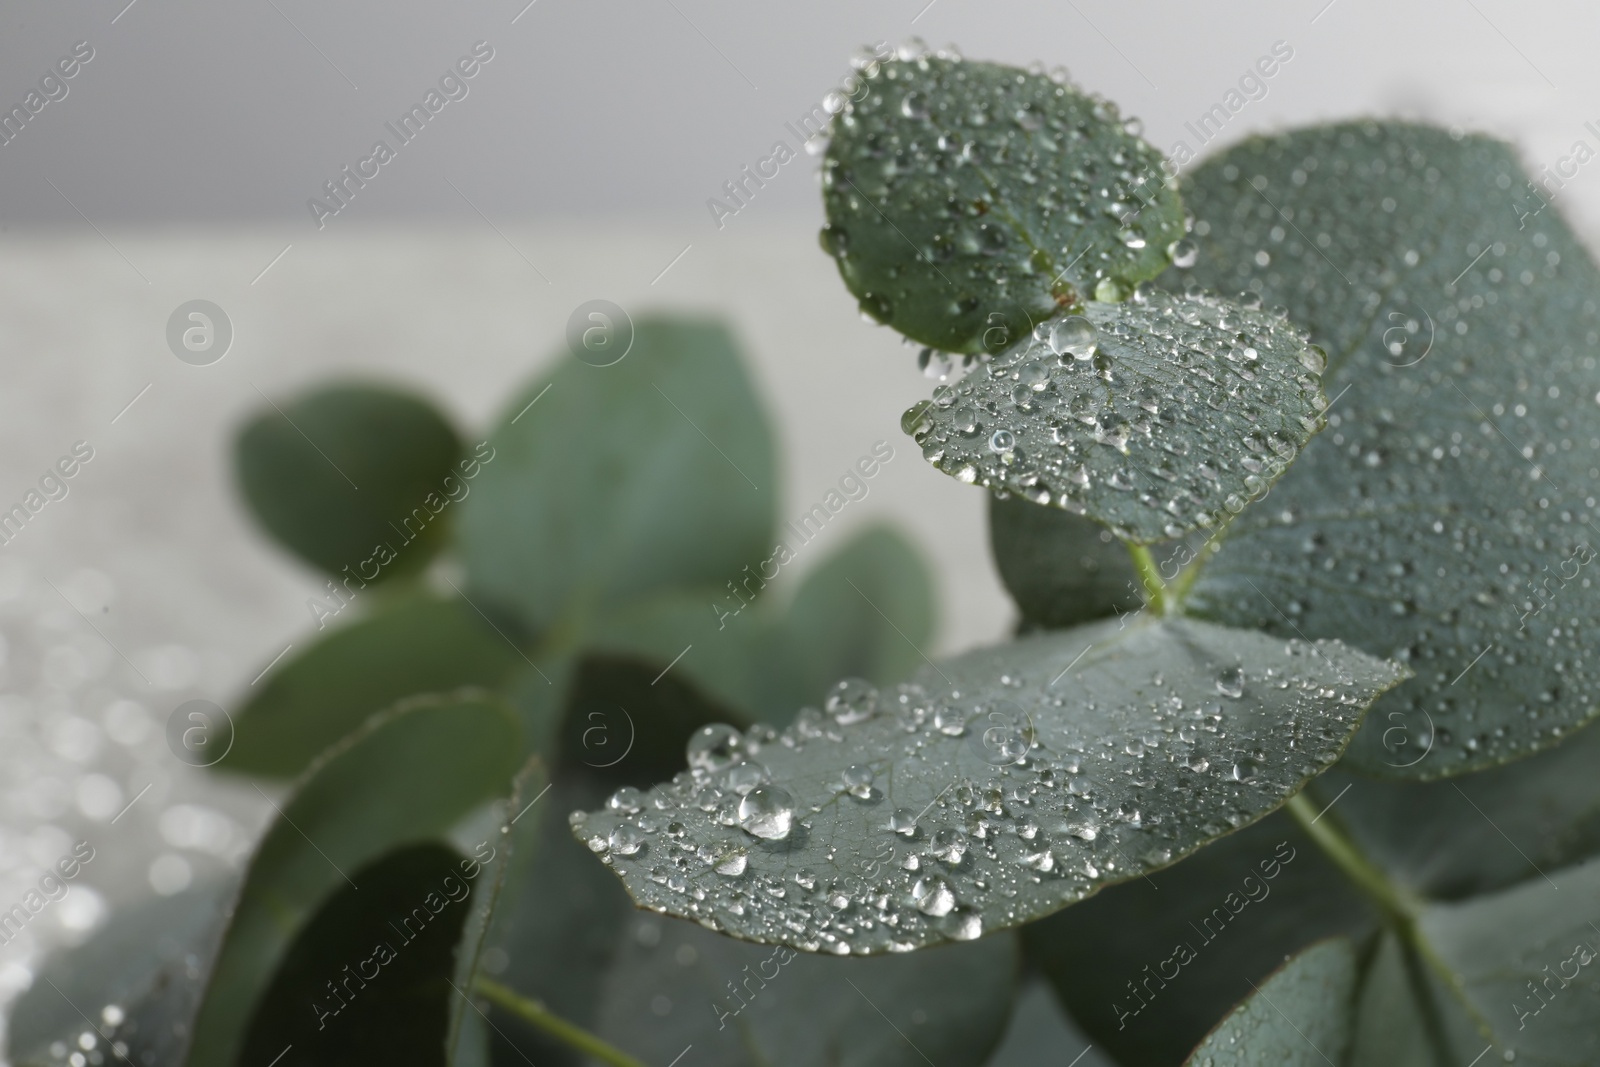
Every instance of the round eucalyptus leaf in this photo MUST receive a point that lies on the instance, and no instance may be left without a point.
(1447, 515)
(967, 201)
(407, 776)
(1155, 417)
(356, 480)
(990, 791)
(1300, 1017)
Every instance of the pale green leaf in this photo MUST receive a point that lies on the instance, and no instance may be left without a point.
(1300, 1017)
(404, 777)
(1446, 517)
(356, 480)
(1525, 959)
(996, 789)
(421, 644)
(1060, 568)
(1156, 417)
(653, 473)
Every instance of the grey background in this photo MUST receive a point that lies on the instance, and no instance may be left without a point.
(578, 167)
(200, 111)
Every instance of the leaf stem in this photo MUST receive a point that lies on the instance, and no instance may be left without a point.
(1402, 907)
(1155, 590)
(1395, 901)
(532, 1011)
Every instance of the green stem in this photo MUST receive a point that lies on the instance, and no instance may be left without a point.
(536, 1013)
(1396, 902)
(1155, 590)
(1402, 907)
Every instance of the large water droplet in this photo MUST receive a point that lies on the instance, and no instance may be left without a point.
(1073, 336)
(714, 747)
(852, 700)
(857, 779)
(767, 811)
(626, 840)
(626, 800)
(933, 896)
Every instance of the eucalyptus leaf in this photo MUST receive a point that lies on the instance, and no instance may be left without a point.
(1446, 516)
(1389, 1028)
(1149, 966)
(1477, 833)
(1156, 417)
(560, 925)
(863, 611)
(342, 471)
(650, 474)
(1300, 1017)
(367, 977)
(991, 791)
(1524, 959)
(1061, 569)
(467, 1039)
(738, 1003)
(967, 201)
(404, 777)
(421, 644)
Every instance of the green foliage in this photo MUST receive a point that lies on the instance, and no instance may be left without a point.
(1156, 417)
(1163, 801)
(794, 1009)
(1294, 1019)
(968, 201)
(421, 644)
(346, 472)
(1447, 512)
(652, 474)
(1059, 568)
(893, 802)
(406, 776)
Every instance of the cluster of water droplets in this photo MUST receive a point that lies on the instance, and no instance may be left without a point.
(960, 190)
(886, 820)
(1158, 416)
(1439, 517)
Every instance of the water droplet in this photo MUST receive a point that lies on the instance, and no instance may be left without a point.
(903, 822)
(967, 926)
(1002, 441)
(1245, 769)
(767, 812)
(851, 701)
(626, 839)
(732, 862)
(933, 896)
(714, 747)
(914, 106)
(1183, 253)
(626, 800)
(857, 779)
(1073, 336)
(915, 420)
(950, 845)
(1230, 682)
